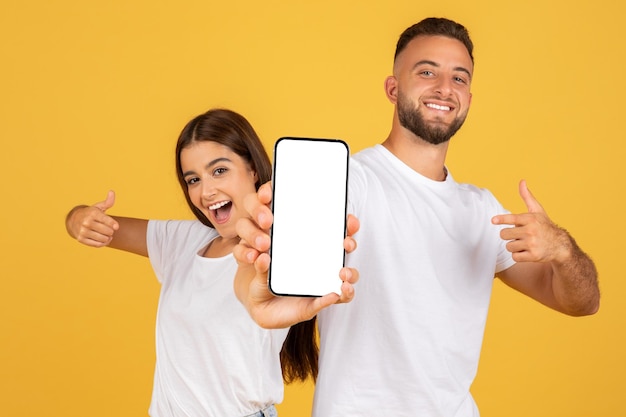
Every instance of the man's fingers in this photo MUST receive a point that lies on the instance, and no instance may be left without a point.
(513, 219)
(531, 202)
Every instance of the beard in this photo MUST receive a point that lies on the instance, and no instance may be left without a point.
(412, 119)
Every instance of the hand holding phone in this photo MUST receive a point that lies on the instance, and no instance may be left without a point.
(309, 201)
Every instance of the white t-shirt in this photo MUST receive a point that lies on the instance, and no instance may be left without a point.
(409, 342)
(211, 358)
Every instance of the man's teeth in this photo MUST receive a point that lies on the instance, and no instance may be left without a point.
(218, 205)
(438, 107)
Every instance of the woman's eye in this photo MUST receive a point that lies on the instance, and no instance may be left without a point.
(192, 181)
(219, 171)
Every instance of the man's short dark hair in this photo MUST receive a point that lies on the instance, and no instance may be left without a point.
(436, 26)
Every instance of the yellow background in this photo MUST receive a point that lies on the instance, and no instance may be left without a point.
(94, 94)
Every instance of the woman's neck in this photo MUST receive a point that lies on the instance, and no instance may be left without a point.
(220, 247)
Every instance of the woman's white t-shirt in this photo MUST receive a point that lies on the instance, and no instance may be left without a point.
(212, 359)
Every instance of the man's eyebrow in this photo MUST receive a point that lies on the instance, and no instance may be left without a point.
(465, 70)
(207, 166)
(425, 62)
(434, 64)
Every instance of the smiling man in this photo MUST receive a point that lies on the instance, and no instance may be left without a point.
(428, 250)
(441, 88)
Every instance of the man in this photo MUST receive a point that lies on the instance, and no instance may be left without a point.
(408, 344)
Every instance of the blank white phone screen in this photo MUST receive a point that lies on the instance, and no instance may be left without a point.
(309, 205)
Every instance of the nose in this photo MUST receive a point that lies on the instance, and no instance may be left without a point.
(444, 86)
(208, 189)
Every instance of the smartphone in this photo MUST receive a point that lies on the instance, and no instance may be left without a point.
(310, 184)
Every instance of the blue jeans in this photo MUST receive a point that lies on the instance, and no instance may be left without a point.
(266, 412)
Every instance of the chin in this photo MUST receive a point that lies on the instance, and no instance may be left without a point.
(227, 231)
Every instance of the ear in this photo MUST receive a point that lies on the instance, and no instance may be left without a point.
(391, 89)
(470, 99)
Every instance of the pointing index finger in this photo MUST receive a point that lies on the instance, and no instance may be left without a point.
(505, 219)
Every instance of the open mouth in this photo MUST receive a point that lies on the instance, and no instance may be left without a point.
(221, 211)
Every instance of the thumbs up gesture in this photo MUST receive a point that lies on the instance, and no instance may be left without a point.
(90, 225)
(533, 237)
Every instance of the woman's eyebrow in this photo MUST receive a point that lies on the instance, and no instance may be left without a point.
(217, 161)
(207, 166)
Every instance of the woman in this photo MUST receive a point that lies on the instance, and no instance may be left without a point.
(211, 358)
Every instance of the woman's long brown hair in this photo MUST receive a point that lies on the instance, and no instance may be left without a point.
(300, 352)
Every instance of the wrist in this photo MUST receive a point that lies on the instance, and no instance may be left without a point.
(567, 247)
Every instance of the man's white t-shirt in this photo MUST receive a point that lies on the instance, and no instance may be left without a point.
(409, 342)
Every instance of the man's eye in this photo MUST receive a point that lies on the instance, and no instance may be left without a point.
(427, 73)
(460, 80)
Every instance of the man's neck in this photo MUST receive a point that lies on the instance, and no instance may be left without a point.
(423, 157)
